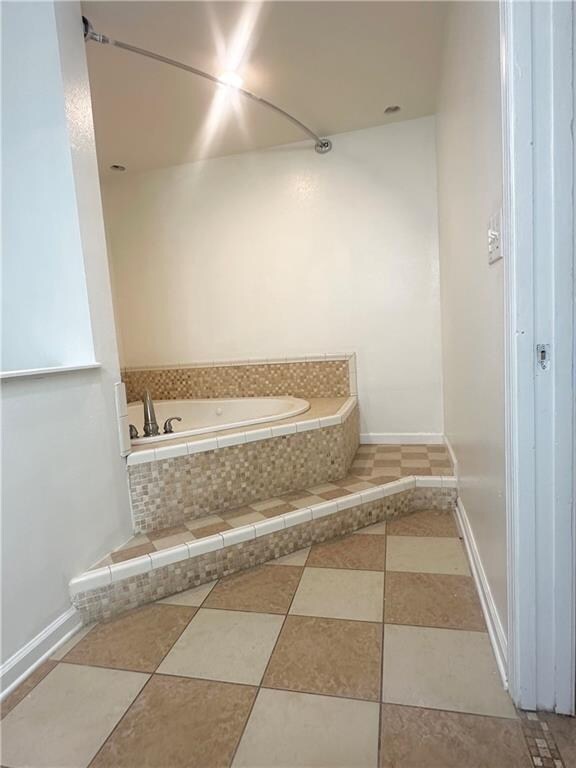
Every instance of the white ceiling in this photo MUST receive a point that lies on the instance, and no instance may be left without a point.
(334, 65)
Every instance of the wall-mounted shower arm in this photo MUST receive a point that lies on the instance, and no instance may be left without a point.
(321, 145)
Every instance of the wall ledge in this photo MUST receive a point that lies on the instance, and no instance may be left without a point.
(40, 372)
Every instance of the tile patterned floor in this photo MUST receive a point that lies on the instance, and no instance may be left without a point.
(357, 652)
(372, 465)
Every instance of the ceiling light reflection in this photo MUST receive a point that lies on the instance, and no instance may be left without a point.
(231, 55)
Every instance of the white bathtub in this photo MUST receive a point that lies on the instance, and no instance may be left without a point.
(200, 416)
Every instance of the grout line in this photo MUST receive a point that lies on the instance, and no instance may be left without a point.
(128, 708)
(380, 745)
(269, 660)
(196, 609)
(321, 693)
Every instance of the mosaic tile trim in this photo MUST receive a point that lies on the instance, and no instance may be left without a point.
(302, 378)
(109, 600)
(540, 740)
(167, 492)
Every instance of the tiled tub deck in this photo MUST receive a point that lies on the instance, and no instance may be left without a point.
(191, 478)
(314, 515)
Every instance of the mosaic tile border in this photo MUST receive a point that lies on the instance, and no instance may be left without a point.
(166, 492)
(544, 751)
(318, 375)
(107, 591)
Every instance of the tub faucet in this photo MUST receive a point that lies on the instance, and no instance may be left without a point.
(151, 428)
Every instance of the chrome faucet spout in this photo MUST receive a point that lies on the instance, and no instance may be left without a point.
(151, 428)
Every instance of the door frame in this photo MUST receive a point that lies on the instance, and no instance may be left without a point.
(537, 67)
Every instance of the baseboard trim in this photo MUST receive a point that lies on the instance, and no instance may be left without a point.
(23, 662)
(453, 458)
(493, 623)
(396, 438)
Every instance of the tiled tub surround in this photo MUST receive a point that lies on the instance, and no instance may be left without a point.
(308, 377)
(190, 479)
(110, 590)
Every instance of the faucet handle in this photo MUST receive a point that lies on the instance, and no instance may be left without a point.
(168, 429)
(133, 432)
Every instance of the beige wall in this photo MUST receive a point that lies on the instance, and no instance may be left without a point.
(287, 252)
(469, 192)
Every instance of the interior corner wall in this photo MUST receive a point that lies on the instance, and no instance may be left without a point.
(472, 293)
(64, 485)
(286, 252)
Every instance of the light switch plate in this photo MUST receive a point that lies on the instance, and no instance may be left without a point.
(495, 237)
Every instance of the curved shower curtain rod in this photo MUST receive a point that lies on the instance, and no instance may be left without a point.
(320, 145)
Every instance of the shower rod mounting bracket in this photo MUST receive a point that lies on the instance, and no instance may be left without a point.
(321, 145)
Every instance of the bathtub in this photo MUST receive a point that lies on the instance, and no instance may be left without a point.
(200, 416)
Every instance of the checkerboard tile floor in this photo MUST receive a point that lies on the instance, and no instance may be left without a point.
(372, 465)
(370, 650)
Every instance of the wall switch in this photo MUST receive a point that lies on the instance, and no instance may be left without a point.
(495, 237)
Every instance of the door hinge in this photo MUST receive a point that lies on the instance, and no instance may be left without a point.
(543, 356)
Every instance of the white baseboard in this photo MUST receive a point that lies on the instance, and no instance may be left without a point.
(450, 450)
(495, 629)
(396, 438)
(23, 662)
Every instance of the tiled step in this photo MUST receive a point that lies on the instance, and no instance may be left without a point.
(119, 586)
(228, 521)
(372, 466)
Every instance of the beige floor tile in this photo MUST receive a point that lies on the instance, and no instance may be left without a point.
(340, 594)
(63, 722)
(210, 530)
(267, 589)
(386, 473)
(194, 596)
(321, 488)
(247, 519)
(294, 558)
(278, 509)
(378, 529)
(135, 541)
(331, 656)
(442, 669)
(137, 640)
(366, 553)
(21, 691)
(420, 554)
(293, 496)
(173, 541)
(299, 730)
(337, 493)
(201, 522)
(163, 533)
(426, 738)
(428, 523)
(179, 723)
(236, 512)
(260, 506)
(69, 644)
(231, 646)
(432, 600)
(129, 552)
(308, 501)
(359, 485)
